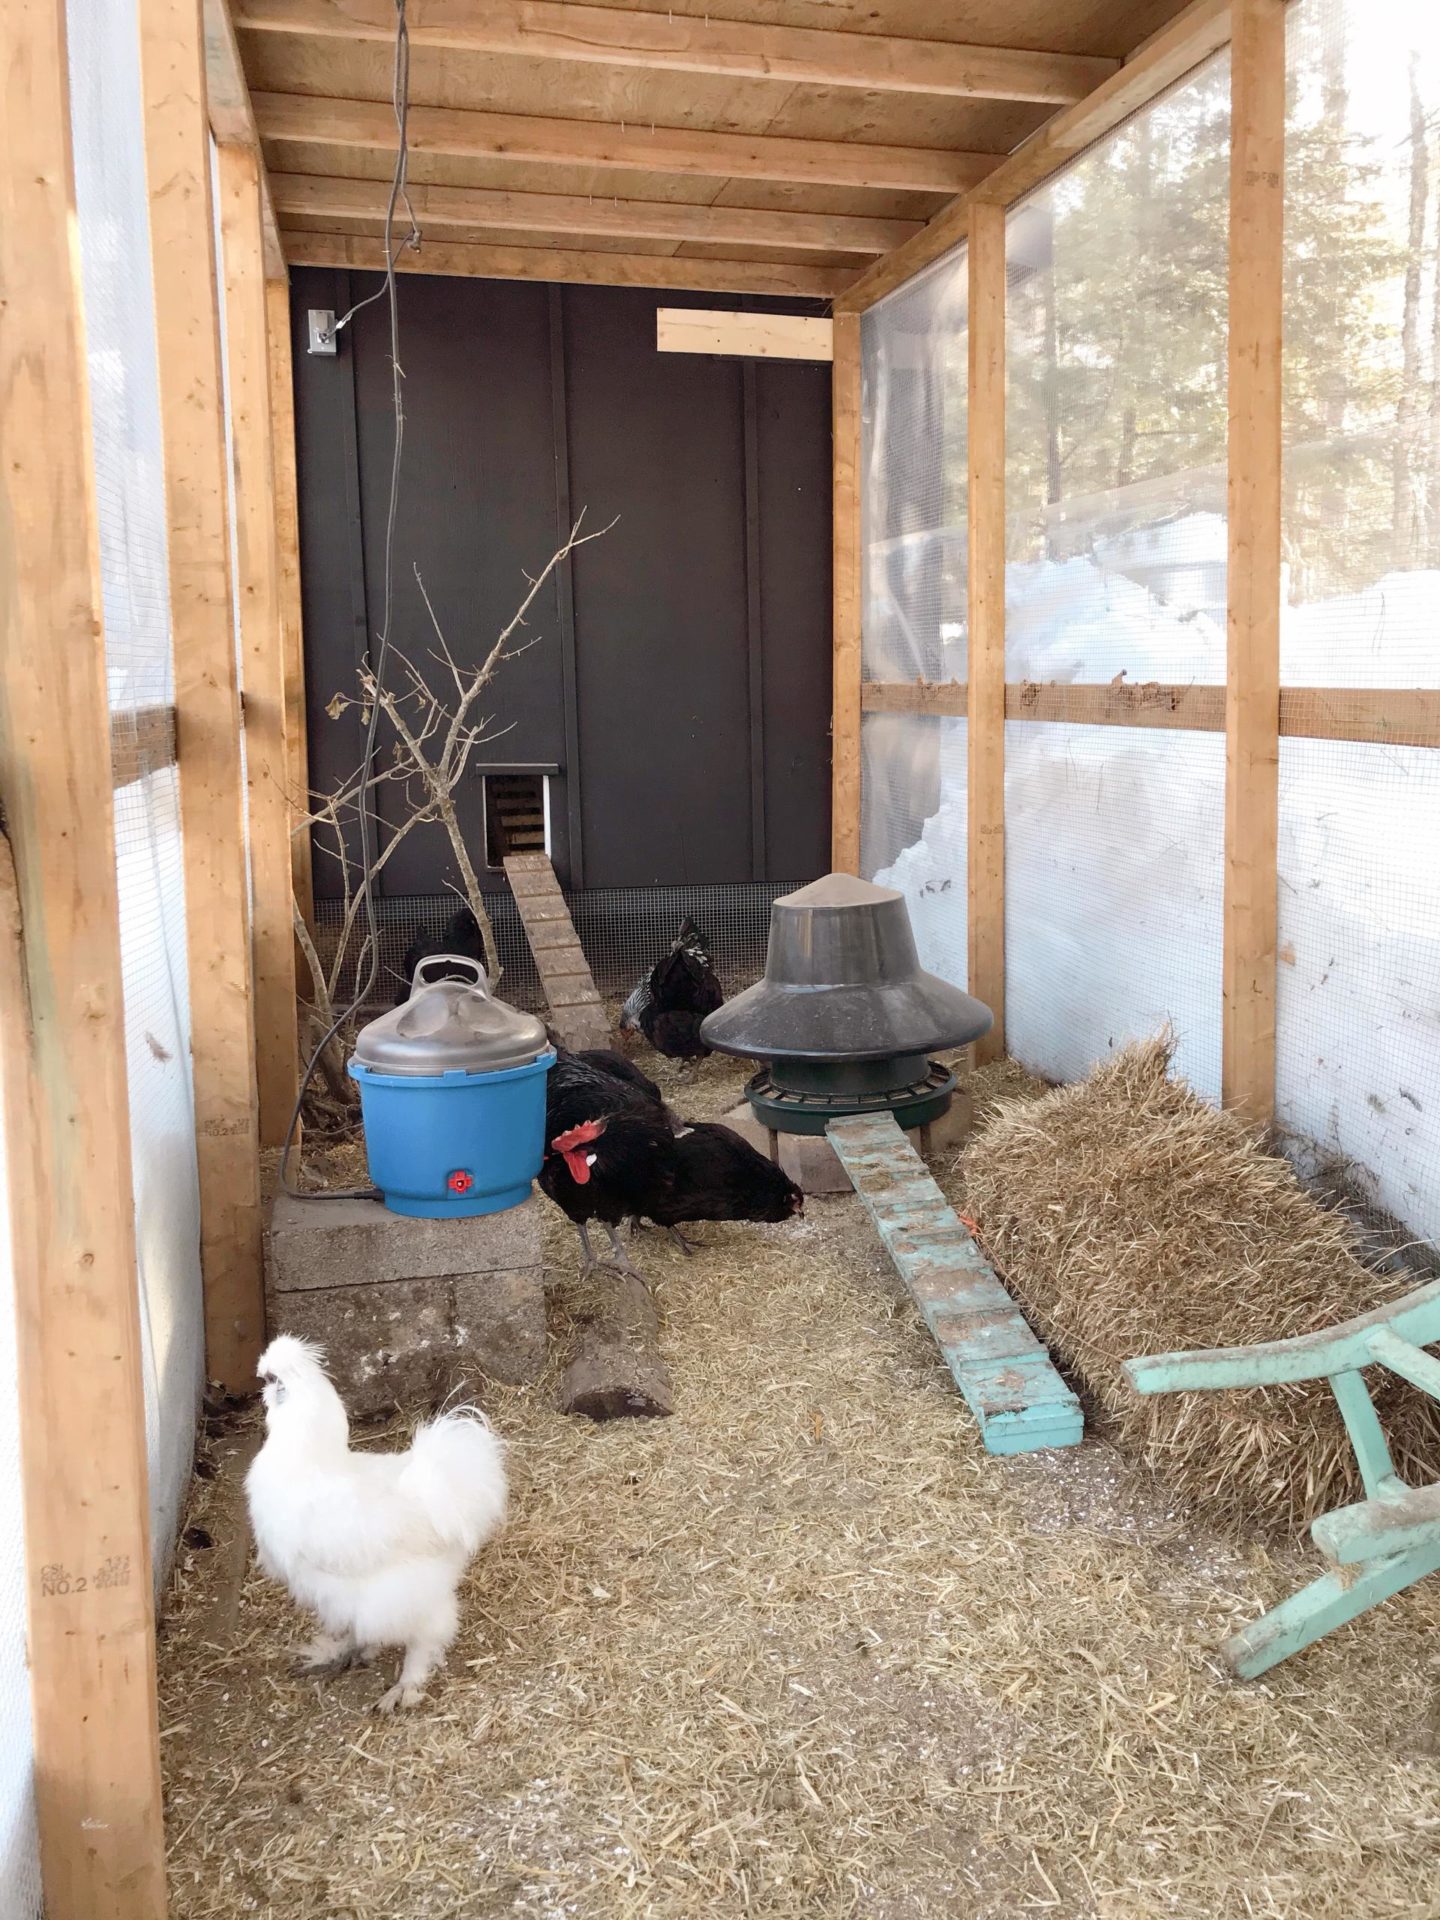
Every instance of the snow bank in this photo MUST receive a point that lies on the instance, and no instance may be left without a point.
(1114, 870)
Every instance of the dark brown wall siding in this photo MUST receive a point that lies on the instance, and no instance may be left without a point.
(507, 385)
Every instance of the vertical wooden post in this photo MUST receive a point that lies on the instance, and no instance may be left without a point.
(261, 640)
(845, 721)
(287, 542)
(1252, 694)
(986, 727)
(62, 1051)
(207, 698)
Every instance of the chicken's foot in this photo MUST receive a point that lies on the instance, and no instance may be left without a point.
(409, 1690)
(329, 1654)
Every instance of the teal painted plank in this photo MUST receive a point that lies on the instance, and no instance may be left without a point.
(1004, 1374)
(1325, 1604)
(1357, 1410)
(1400, 1519)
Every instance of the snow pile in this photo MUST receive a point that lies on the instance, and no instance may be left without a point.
(1114, 871)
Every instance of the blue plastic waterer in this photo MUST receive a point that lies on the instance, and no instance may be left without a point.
(452, 1093)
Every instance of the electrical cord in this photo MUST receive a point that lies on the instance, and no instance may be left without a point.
(400, 93)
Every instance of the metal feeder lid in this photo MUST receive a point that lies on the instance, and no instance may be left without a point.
(843, 982)
(450, 1026)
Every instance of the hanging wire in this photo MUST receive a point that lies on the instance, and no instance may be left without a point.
(366, 975)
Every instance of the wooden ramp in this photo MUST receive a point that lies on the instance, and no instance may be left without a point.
(577, 1012)
(1005, 1375)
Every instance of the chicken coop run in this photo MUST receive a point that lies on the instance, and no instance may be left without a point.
(1005, 446)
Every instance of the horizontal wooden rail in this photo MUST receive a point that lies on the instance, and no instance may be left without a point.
(141, 743)
(460, 260)
(1378, 716)
(684, 43)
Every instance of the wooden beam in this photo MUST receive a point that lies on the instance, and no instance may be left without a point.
(207, 702)
(750, 336)
(287, 544)
(484, 207)
(1377, 716)
(985, 757)
(559, 264)
(688, 43)
(512, 137)
(1252, 692)
(232, 118)
(1201, 30)
(86, 1573)
(846, 639)
(272, 926)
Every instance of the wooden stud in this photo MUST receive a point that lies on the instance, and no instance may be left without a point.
(557, 265)
(750, 336)
(685, 43)
(593, 143)
(91, 1641)
(986, 730)
(267, 755)
(232, 118)
(1252, 694)
(1201, 30)
(848, 574)
(468, 208)
(287, 543)
(207, 702)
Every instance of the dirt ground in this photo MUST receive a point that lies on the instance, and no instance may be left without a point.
(803, 1649)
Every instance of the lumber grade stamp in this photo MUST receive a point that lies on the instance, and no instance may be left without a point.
(1383, 1543)
(1005, 1375)
(577, 1012)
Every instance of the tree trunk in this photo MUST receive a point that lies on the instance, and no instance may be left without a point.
(1408, 410)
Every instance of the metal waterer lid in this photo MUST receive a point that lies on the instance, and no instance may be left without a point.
(450, 1026)
(843, 982)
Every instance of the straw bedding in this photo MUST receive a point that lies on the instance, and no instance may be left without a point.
(1129, 1217)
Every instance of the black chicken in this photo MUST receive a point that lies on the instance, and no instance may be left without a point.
(460, 934)
(610, 1146)
(719, 1176)
(674, 997)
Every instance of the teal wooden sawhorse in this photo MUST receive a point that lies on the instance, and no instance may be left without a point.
(1005, 1375)
(1386, 1541)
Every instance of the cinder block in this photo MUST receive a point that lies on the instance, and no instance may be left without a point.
(323, 1244)
(742, 1120)
(952, 1130)
(414, 1342)
(812, 1163)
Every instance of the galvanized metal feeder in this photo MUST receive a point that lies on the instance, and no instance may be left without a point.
(845, 1018)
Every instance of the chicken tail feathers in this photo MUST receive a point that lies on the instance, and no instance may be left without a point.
(456, 1475)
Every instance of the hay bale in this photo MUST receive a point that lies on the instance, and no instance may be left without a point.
(1128, 1217)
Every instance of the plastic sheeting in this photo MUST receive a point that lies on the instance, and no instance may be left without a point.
(1358, 1045)
(914, 349)
(120, 338)
(19, 1843)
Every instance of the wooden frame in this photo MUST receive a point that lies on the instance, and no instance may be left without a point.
(751, 336)
(207, 701)
(985, 582)
(91, 1645)
(847, 587)
(267, 754)
(614, 36)
(1252, 695)
(292, 623)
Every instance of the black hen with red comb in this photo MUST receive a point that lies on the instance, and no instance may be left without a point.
(610, 1152)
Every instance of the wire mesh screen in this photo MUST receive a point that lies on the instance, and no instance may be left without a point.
(120, 336)
(623, 931)
(19, 1845)
(1116, 546)
(914, 349)
(1358, 1067)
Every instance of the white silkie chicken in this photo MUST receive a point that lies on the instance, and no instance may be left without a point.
(375, 1544)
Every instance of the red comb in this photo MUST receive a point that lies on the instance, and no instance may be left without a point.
(571, 1146)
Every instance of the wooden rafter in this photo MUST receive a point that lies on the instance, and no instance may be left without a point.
(686, 43)
(232, 120)
(442, 208)
(562, 265)
(462, 133)
(1202, 29)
